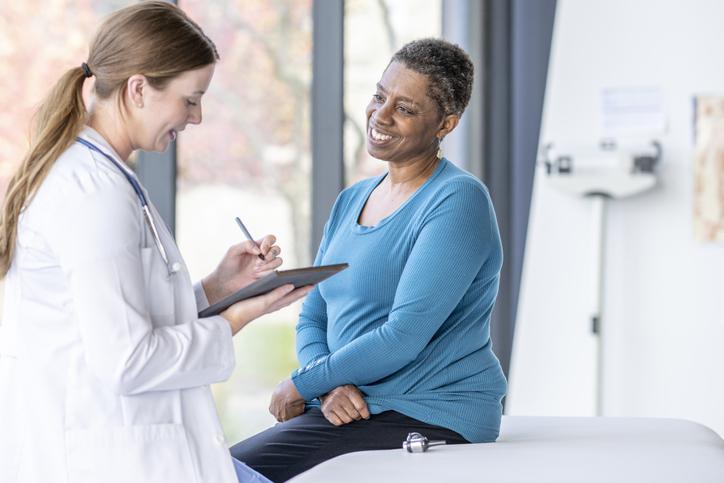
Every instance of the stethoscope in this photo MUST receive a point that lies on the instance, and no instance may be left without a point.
(417, 443)
(172, 268)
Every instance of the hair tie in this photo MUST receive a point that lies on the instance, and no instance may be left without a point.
(86, 70)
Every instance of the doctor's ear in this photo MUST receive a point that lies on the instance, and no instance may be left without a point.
(137, 86)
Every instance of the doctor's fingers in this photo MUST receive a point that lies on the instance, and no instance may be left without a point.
(266, 243)
(269, 255)
(243, 312)
(235, 252)
(264, 246)
(272, 262)
(290, 298)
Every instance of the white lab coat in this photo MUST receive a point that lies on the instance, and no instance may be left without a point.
(104, 364)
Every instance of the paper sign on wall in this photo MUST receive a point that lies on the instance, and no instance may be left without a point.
(635, 111)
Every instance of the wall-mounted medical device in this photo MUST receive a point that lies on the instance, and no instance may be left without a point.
(609, 170)
(606, 172)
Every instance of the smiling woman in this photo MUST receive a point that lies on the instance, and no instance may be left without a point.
(404, 127)
(399, 342)
(412, 134)
(373, 32)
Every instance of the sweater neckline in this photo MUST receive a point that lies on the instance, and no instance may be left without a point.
(376, 182)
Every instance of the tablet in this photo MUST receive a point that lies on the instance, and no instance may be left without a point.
(299, 277)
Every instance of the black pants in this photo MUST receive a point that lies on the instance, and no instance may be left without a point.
(287, 449)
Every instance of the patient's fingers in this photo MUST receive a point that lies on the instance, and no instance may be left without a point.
(344, 405)
(292, 410)
(333, 418)
(353, 402)
(346, 410)
(359, 403)
(329, 410)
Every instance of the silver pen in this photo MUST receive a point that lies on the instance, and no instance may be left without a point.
(248, 236)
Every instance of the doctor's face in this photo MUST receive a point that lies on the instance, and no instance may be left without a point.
(164, 113)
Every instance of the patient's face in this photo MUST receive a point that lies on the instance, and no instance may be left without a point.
(402, 120)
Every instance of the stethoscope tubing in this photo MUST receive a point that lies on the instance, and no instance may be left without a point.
(146, 210)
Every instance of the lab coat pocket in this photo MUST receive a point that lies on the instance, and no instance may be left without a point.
(159, 287)
(157, 453)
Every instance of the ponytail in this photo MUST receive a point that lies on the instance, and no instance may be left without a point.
(58, 121)
(153, 38)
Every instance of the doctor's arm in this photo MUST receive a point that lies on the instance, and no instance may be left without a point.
(105, 269)
(241, 266)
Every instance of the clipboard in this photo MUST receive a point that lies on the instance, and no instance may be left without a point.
(299, 277)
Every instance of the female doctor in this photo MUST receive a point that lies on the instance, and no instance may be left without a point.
(104, 364)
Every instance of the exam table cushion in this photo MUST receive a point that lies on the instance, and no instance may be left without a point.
(550, 449)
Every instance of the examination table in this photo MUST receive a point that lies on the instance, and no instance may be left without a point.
(549, 449)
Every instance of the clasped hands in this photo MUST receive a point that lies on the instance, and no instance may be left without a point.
(341, 405)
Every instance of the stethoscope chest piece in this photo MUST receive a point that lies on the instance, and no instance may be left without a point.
(417, 443)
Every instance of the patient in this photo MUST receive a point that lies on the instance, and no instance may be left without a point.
(400, 341)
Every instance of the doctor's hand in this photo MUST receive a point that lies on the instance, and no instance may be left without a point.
(241, 266)
(344, 404)
(241, 313)
(286, 402)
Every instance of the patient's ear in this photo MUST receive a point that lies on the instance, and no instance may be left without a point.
(449, 123)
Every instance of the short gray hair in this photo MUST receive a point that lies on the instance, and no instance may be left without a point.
(448, 68)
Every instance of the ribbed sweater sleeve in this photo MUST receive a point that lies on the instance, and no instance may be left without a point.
(311, 341)
(453, 241)
(312, 325)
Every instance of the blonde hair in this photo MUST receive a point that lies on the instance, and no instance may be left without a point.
(152, 38)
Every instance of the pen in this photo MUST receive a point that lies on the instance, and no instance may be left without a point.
(248, 235)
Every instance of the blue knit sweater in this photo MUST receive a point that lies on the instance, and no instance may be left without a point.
(409, 321)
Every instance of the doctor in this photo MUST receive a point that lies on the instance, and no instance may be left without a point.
(104, 364)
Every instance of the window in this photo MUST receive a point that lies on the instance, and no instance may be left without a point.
(39, 41)
(374, 30)
(250, 158)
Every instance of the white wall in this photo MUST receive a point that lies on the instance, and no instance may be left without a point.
(664, 306)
